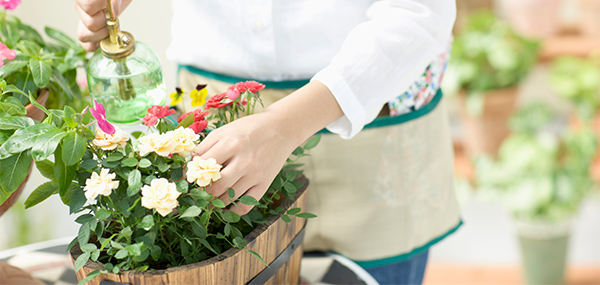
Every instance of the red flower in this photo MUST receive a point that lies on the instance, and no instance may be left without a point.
(198, 126)
(254, 86)
(150, 120)
(215, 101)
(160, 111)
(233, 93)
(198, 115)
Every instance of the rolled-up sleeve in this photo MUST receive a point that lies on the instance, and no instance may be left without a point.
(383, 56)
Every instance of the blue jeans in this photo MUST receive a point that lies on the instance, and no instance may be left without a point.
(409, 271)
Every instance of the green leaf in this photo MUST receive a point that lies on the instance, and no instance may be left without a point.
(293, 211)
(306, 215)
(12, 106)
(29, 48)
(239, 242)
(286, 218)
(134, 179)
(89, 164)
(15, 123)
(70, 117)
(257, 256)
(77, 201)
(129, 162)
(187, 121)
(231, 193)
(81, 260)
(60, 37)
(66, 197)
(58, 77)
(64, 173)
(83, 236)
(312, 142)
(41, 193)
(90, 276)
(46, 168)
(218, 203)
(231, 217)
(182, 186)
(116, 156)
(12, 66)
(24, 139)
(192, 211)
(38, 105)
(147, 222)
(144, 163)
(88, 247)
(103, 214)
(73, 148)
(122, 253)
(41, 70)
(249, 200)
(13, 171)
(46, 144)
(30, 33)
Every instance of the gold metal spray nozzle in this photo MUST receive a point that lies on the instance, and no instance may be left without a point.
(118, 46)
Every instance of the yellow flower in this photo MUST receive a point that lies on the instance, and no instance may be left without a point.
(183, 139)
(198, 95)
(176, 96)
(160, 144)
(102, 184)
(160, 195)
(203, 171)
(105, 141)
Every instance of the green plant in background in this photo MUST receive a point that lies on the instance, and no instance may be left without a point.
(539, 174)
(578, 80)
(39, 63)
(488, 54)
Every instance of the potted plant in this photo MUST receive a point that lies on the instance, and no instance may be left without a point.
(541, 176)
(145, 212)
(30, 65)
(578, 81)
(488, 61)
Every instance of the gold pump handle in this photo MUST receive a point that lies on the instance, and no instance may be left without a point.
(118, 44)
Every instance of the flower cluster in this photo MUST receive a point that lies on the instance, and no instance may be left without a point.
(143, 202)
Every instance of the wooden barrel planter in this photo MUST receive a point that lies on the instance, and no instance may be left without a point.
(277, 242)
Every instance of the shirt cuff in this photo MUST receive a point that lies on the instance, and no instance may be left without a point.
(353, 120)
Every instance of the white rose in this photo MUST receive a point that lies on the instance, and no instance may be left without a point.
(203, 171)
(160, 195)
(102, 184)
(160, 144)
(109, 142)
(184, 140)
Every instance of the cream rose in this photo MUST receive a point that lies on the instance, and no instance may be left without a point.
(163, 145)
(184, 140)
(203, 171)
(105, 141)
(102, 184)
(160, 195)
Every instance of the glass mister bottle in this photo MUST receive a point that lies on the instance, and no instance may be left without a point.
(124, 75)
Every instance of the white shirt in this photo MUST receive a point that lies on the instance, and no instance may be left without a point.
(366, 52)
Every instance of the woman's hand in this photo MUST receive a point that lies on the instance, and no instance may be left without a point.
(92, 22)
(253, 149)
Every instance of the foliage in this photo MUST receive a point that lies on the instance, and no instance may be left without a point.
(143, 203)
(488, 54)
(578, 80)
(40, 63)
(538, 173)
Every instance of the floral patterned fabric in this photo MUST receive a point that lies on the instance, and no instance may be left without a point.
(422, 91)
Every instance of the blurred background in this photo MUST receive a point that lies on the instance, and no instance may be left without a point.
(523, 85)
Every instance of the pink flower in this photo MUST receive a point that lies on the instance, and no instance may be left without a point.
(6, 53)
(198, 115)
(254, 86)
(150, 120)
(10, 4)
(198, 126)
(160, 111)
(100, 115)
(215, 101)
(232, 93)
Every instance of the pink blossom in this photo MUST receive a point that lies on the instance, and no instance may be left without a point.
(254, 86)
(150, 120)
(100, 115)
(233, 93)
(160, 111)
(198, 115)
(10, 4)
(198, 126)
(6, 53)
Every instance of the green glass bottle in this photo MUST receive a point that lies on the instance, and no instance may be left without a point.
(124, 75)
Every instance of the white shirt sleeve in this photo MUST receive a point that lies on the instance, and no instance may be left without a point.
(383, 56)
